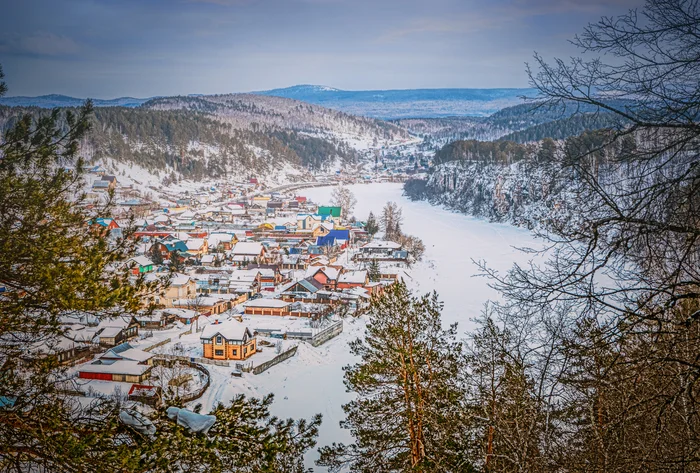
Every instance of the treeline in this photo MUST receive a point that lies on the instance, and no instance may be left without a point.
(565, 127)
(193, 144)
(528, 185)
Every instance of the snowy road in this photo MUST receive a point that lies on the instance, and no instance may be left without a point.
(312, 381)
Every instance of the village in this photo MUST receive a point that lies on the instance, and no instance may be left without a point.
(242, 277)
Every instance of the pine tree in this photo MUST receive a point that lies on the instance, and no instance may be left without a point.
(409, 414)
(56, 261)
(371, 226)
(374, 271)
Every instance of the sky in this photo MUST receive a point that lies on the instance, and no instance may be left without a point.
(145, 48)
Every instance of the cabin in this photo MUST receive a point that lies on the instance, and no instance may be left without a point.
(141, 264)
(267, 307)
(333, 212)
(230, 340)
(112, 332)
(339, 238)
(325, 275)
(181, 286)
(197, 247)
(350, 279)
(248, 251)
(115, 370)
(205, 305)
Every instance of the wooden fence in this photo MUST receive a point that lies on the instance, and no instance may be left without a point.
(327, 333)
(156, 345)
(278, 359)
(206, 361)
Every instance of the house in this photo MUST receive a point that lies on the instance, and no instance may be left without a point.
(111, 181)
(181, 286)
(170, 249)
(121, 363)
(100, 186)
(350, 279)
(381, 250)
(325, 275)
(155, 321)
(141, 264)
(333, 212)
(72, 344)
(307, 222)
(197, 246)
(208, 260)
(221, 241)
(206, 305)
(113, 331)
(125, 351)
(339, 238)
(269, 276)
(267, 307)
(304, 290)
(248, 251)
(97, 170)
(108, 223)
(230, 340)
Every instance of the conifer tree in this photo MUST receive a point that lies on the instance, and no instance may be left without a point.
(57, 261)
(409, 413)
(371, 226)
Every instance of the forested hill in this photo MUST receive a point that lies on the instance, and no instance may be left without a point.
(251, 111)
(519, 123)
(212, 136)
(194, 145)
(525, 184)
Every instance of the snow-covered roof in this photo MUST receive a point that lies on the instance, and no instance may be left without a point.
(274, 303)
(195, 243)
(247, 248)
(181, 313)
(179, 279)
(230, 330)
(382, 245)
(142, 261)
(208, 259)
(118, 367)
(354, 277)
(329, 271)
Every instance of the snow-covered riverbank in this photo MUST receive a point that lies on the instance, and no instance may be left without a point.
(312, 381)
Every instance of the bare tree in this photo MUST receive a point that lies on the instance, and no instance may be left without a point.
(620, 291)
(344, 198)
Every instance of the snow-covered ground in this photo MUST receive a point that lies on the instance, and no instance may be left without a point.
(312, 381)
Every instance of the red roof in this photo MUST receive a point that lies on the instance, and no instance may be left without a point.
(142, 390)
(300, 199)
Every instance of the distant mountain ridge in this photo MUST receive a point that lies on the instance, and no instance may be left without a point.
(57, 100)
(406, 103)
(382, 104)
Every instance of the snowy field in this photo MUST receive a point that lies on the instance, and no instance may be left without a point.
(312, 381)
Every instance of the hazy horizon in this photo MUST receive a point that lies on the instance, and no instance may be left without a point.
(106, 49)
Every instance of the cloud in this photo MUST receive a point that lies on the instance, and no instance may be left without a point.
(40, 44)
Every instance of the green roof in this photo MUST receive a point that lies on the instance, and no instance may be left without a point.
(332, 211)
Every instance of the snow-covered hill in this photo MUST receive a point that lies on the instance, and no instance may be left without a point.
(247, 111)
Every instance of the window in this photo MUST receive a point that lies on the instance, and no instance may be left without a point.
(218, 352)
(218, 340)
(245, 350)
(234, 352)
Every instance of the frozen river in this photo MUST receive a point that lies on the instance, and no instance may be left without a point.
(312, 381)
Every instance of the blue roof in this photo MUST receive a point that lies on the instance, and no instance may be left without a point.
(177, 245)
(333, 235)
